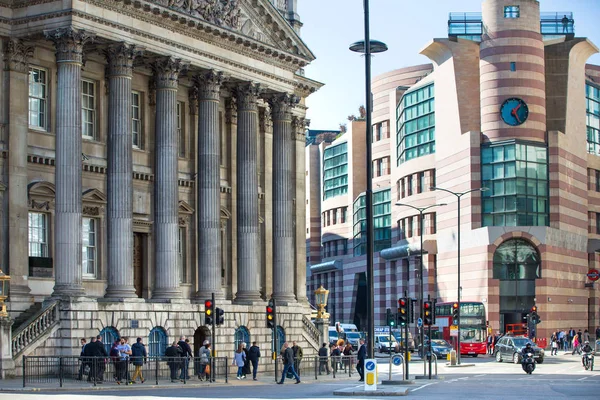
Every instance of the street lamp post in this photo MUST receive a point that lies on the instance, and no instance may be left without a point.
(421, 210)
(458, 196)
(368, 47)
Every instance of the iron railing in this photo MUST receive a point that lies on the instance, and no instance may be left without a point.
(35, 327)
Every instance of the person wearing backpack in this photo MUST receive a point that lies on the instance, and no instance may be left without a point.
(203, 370)
(253, 356)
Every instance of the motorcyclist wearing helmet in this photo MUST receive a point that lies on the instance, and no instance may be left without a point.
(525, 350)
(586, 347)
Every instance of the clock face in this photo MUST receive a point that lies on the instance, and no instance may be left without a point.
(514, 111)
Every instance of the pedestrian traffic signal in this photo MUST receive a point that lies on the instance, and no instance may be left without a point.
(209, 312)
(271, 314)
(403, 311)
(455, 314)
(219, 316)
(390, 318)
(427, 313)
(535, 318)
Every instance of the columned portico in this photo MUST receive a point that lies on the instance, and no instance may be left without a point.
(283, 185)
(247, 194)
(120, 59)
(166, 188)
(69, 44)
(209, 195)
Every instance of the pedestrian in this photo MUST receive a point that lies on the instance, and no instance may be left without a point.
(572, 334)
(247, 363)
(125, 353)
(287, 355)
(336, 356)
(586, 336)
(297, 356)
(565, 24)
(598, 333)
(347, 356)
(203, 357)
(362, 354)
(138, 358)
(554, 346)
(323, 364)
(115, 356)
(98, 354)
(173, 355)
(239, 359)
(490, 343)
(575, 346)
(253, 356)
(187, 353)
(83, 361)
(561, 340)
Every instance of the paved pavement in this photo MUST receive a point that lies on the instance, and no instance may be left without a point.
(557, 378)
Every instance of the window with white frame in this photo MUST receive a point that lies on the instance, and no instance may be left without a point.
(136, 120)
(89, 246)
(38, 234)
(38, 100)
(88, 109)
(181, 254)
(180, 129)
(511, 12)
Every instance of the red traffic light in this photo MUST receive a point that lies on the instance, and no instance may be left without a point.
(208, 304)
(269, 309)
(427, 305)
(402, 303)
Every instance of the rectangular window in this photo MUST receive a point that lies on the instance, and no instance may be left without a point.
(38, 100)
(402, 191)
(597, 181)
(180, 129)
(513, 66)
(378, 132)
(334, 218)
(409, 185)
(344, 214)
(422, 182)
(597, 223)
(511, 12)
(181, 254)
(88, 109)
(136, 120)
(89, 247)
(38, 234)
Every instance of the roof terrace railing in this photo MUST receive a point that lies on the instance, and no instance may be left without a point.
(470, 23)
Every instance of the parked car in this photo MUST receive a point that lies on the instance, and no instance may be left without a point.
(439, 347)
(383, 344)
(509, 348)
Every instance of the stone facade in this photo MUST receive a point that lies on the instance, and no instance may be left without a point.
(138, 173)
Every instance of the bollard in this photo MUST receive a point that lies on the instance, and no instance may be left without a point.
(452, 357)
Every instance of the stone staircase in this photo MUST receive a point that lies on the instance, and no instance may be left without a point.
(311, 334)
(38, 327)
(25, 316)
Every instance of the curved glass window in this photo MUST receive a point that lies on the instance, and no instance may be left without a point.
(416, 122)
(157, 341)
(592, 99)
(335, 170)
(516, 175)
(382, 222)
(109, 335)
(242, 335)
(517, 259)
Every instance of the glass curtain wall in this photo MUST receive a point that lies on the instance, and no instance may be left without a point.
(416, 122)
(382, 222)
(335, 170)
(592, 99)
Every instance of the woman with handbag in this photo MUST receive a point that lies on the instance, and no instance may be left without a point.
(203, 370)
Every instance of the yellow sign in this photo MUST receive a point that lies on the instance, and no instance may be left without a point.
(454, 330)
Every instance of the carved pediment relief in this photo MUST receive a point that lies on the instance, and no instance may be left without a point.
(94, 196)
(185, 208)
(40, 195)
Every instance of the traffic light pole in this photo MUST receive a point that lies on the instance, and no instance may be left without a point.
(408, 318)
(213, 338)
(274, 330)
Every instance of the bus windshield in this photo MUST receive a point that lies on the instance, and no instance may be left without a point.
(472, 334)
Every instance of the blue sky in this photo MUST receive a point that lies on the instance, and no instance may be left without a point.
(406, 26)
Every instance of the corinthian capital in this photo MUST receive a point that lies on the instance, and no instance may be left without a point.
(282, 104)
(69, 43)
(120, 57)
(167, 70)
(299, 127)
(17, 55)
(209, 85)
(247, 96)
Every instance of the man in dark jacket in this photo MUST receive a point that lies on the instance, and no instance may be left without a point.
(173, 355)
(253, 356)
(288, 363)
(138, 358)
(83, 361)
(187, 353)
(362, 354)
(323, 359)
(98, 355)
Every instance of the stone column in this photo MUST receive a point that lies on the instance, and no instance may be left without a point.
(16, 57)
(209, 185)
(120, 171)
(7, 365)
(69, 44)
(247, 194)
(283, 194)
(166, 194)
(299, 126)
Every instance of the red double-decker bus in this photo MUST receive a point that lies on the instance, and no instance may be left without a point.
(473, 330)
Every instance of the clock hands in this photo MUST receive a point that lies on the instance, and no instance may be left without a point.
(514, 113)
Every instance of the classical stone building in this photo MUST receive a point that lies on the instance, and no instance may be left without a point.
(157, 158)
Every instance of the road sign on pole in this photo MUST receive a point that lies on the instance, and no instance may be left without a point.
(454, 330)
(370, 374)
(420, 322)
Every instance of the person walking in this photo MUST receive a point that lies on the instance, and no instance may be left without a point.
(247, 363)
(204, 361)
(173, 355)
(561, 340)
(347, 356)
(187, 353)
(239, 359)
(554, 347)
(298, 354)
(490, 344)
(253, 356)
(323, 364)
(138, 358)
(287, 354)
(83, 360)
(586, 336)
(576, 344)
(336, 356)
(98, 355)
(570, 338)
(362, 354)
(598, 333)
(125, 352)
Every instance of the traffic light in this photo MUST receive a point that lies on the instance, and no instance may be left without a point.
(403, 311)
(390, 318)
(219, 316)
(209, 312)
(535, 318)
(427, 313)
(271, 314)
(455, 313)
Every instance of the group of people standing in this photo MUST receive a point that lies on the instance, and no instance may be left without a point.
(570, 340)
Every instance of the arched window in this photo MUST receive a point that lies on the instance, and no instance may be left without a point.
(516, 260)
(109, 335)
(241, 335)
(280, 337)
(157, 341)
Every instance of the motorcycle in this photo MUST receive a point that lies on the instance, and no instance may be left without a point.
(528, 363)
(588, 361)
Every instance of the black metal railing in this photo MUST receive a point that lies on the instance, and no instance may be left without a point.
(67, 371)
